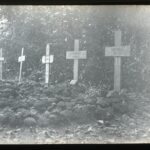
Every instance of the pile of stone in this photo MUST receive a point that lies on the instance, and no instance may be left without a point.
(33, 104)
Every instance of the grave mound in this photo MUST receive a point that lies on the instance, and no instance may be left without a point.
(32, 104)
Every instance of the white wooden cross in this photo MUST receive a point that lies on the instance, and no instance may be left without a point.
(47, 60)
(1, 63)
(21, 59)
(76, 55)
(118, 51)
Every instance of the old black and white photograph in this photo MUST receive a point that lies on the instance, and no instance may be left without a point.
(74, 74)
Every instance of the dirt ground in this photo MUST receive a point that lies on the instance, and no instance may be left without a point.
(125, 129)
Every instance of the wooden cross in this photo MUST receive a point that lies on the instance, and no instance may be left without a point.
(76, 55)
(47, 60)
(1, 63)
(118, 51)
(21, 59)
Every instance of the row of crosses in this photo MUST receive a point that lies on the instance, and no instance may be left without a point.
(117, 52)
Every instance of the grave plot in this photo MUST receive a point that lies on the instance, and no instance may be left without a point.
(40, 104)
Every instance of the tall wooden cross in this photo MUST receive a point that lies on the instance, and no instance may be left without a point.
(21, 59)
(47, 60)
(1, 63)
(76, 55)
(117, 52)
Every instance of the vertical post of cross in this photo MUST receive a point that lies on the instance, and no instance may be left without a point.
(75, 68)
(117, 63)
(21, 59)
(1, 63)
(47, 65)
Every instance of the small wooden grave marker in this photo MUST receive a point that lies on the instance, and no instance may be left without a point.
(47, 60)
(1, 64)
(117, 52)
(21, 59)
(76, 55)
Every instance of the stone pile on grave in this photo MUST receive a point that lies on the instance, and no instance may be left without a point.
(53, 109)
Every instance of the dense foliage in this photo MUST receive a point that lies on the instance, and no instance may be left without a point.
(32, 27)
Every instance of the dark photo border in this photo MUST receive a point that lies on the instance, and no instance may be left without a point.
(74, 2)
